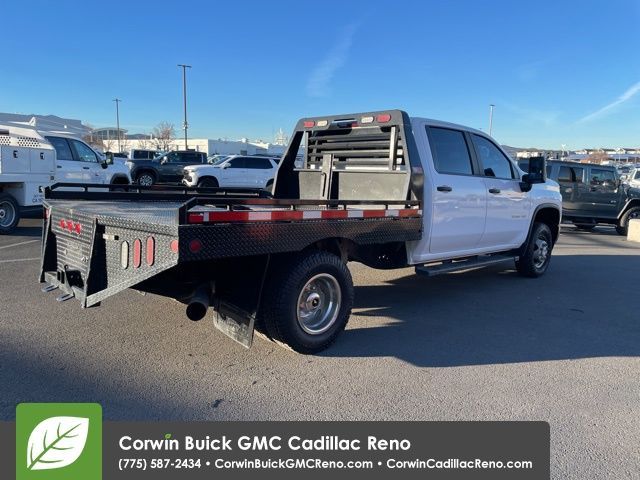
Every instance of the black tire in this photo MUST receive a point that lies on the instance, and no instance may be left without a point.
(623, 227)
(9, 213)
(585, 227)
(208, 182)
(282, 312)
(536, 256)
(145, 178)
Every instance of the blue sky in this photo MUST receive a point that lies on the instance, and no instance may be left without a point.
(559, 72)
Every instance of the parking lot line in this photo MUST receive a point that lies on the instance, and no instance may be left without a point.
(20, 260)
(19, 243)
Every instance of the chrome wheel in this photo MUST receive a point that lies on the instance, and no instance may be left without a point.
(7, 214)
(319, 304)
(145, 180)
(541, 252)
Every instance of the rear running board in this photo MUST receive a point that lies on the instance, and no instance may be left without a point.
(466, 264)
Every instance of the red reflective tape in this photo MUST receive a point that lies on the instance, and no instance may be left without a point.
(62, 224)
(286, 215)
(69, 225)
(228, 216)
(329, 214)
(137, 253)
(374, 213)
(408, 212)
(78, 228)
(197, 217)
(150, 253)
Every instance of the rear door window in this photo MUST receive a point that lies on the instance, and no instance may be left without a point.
(61, 145)
(258, 163)
(450, 152)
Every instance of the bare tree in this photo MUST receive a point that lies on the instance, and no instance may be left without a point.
(91, 138)
(163, 135)
(125, 144)
(143, 143)
(109, 145)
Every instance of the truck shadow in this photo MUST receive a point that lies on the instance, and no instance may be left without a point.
(494, 316)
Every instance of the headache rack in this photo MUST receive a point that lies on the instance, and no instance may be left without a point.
(365, 156)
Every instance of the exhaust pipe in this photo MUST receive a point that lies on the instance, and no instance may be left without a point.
(199, 302)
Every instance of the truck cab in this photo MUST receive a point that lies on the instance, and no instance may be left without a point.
(478, 203)
(77, 162)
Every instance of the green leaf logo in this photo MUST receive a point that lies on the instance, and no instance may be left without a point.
(56, 442)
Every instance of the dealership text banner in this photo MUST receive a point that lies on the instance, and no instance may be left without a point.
(354, 450)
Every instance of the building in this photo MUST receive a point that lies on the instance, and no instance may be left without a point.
(46, 123)
(208, 146)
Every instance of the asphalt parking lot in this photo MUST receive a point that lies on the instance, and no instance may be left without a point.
(484, 345)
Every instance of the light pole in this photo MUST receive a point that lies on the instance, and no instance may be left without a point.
(491, 118)
(117, 100)
(185, 125)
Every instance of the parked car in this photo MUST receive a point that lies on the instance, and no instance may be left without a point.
(242, 171)
(167, 167)
(380, 188)
(593, 194)
(633, 179)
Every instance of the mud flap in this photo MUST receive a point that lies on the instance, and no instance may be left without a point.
(235, 323)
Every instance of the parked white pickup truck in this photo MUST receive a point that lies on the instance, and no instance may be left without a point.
(30, 161)
(380, 188)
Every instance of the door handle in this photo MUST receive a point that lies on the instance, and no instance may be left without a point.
(58, 166)
(494, 190)
(444, 188)
(593, 189)
(85, 168)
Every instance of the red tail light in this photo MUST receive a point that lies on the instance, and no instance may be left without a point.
(174, 246)
(137, 253)
(308, 123)
(151, 251)
(383, 118)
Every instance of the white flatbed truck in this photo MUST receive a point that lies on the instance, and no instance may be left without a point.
(380, 188)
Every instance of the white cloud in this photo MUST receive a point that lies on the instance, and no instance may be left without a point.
(626, 96)
(318, 84)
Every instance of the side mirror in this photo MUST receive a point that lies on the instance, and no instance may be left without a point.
(108, 160)
(164, 160)
(537, 173)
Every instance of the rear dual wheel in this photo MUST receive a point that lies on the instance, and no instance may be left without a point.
(307, 301)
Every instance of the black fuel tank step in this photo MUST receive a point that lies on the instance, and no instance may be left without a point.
(465, 264)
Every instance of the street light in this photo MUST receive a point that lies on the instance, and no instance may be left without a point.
(117, 100)
(491, 118)
(185, 125)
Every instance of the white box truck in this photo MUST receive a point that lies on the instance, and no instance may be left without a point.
(29, 162)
